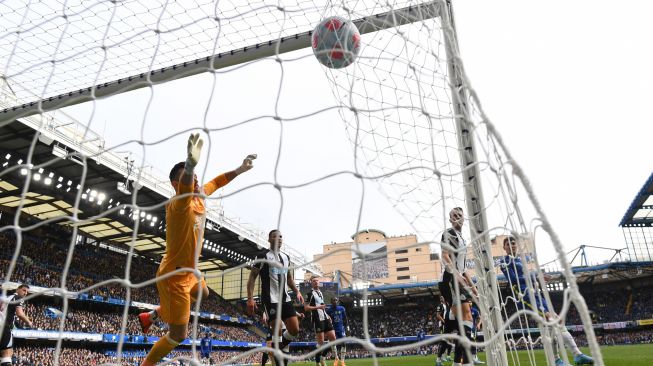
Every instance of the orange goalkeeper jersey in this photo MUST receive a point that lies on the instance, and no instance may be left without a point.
(184, 220)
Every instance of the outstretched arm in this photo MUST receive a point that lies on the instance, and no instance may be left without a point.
(224, 178)
(251, 304)
(186, 181)
(193, 151)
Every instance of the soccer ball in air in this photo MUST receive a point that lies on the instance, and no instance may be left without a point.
(336, 42)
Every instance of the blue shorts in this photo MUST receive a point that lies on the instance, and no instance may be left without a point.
(540, 307)
(206, 355)
(340, 334)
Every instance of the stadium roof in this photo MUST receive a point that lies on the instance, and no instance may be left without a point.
(588, 275)
(640, 211)
(105, 211)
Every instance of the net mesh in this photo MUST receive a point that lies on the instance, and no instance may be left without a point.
(405, 105)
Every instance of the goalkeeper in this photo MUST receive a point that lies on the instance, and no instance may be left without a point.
(185, 230)
(513, 269)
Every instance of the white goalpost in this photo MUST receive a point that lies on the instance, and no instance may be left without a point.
(414, 124)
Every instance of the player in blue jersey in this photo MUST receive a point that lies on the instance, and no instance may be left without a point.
(340, 322)
(206, 346)
(476, 326)
(515, 272)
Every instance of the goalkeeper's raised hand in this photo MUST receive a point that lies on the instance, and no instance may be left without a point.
(247, 164)
(193, 151)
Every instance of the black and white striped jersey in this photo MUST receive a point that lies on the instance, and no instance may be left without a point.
(8, 311)
(315, 298)
(273, 278)
(459, 257)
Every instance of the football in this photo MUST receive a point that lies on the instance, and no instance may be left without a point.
(336, 42)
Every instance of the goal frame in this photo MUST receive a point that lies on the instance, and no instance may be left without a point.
(273, 47)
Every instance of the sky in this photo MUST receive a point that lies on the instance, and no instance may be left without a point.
(566, 86)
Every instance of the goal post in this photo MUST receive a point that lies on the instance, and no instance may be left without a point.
(487, 280)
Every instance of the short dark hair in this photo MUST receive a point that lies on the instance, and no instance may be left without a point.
(174, 172)
(273, 231)
(314, 277)
(509, 237)
(23, 285)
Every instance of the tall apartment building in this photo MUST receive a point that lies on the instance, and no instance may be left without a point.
(390, 260)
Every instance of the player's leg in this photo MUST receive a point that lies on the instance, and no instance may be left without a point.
(6, 353)
(477, 338)
(460, 353)
(289, 317)
(342, 348)
(270, 342)
(330, 335)
(446, 293)
(174, 293)
(579, 357)
(319, 339)
(147, 319)
(194, 291)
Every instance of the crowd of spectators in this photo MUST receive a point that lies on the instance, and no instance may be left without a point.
(40, 356)
(86, 321)
(375, 268)
(614, 338)
(42, 258)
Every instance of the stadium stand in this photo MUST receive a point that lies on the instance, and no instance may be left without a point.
(395, 323)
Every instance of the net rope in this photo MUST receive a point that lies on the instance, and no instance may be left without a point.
(395, 103)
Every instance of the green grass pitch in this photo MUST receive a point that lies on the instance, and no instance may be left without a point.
(633, 355)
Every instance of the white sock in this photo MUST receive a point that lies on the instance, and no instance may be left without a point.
(570, 342)
(335, 352)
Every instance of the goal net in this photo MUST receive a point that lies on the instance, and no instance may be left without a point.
(403, 120)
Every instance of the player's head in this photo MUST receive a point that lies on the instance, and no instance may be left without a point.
(275, 239)
(334, 301)
(175, 176)
(22, 290)
(442, 300)
(510, 245)
(315, 282)
(456, 218)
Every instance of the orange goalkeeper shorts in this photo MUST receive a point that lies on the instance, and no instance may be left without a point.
(176, 293)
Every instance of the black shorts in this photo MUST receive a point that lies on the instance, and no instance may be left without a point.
(322, 326)
(450, 326)
(287, 310)
(7, 340)
(448, 290)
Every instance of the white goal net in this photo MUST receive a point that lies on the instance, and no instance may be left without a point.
(403, 120)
